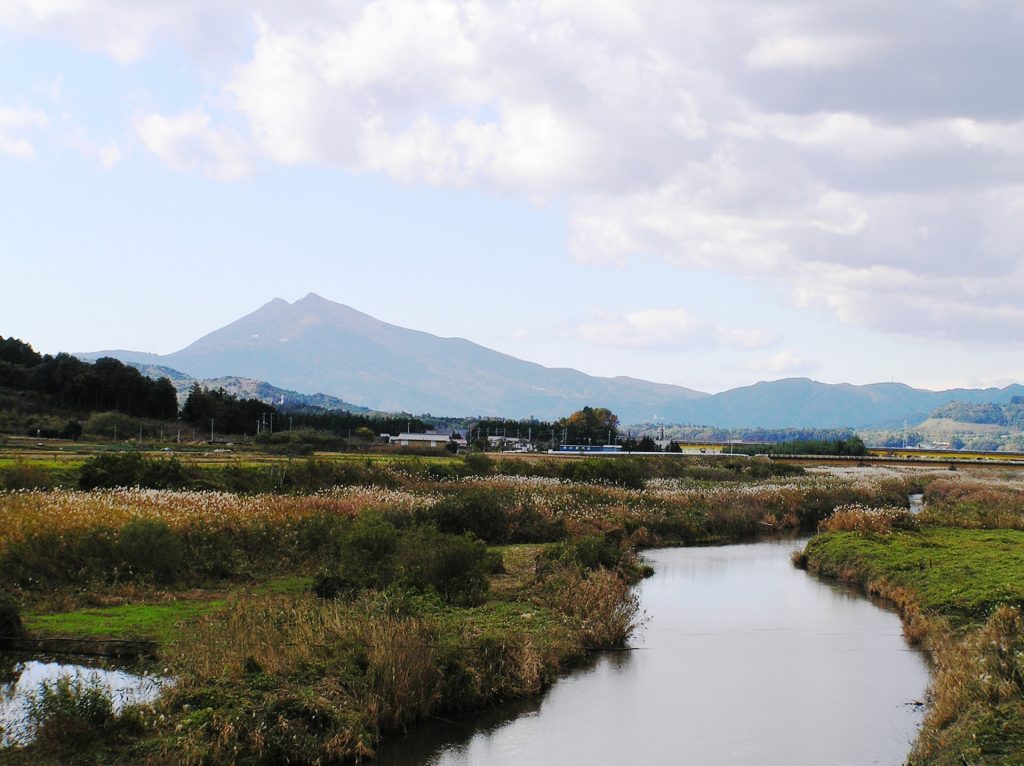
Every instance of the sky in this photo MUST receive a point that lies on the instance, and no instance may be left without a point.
(707, 193)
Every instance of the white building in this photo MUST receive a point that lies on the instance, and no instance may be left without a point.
(429, 439)
(509, 444)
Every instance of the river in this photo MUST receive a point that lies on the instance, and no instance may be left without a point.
(743, 660)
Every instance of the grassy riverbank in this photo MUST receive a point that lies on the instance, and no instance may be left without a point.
(960, 591)
(355, 599)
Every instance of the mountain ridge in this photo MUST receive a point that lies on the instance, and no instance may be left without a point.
(314, 343)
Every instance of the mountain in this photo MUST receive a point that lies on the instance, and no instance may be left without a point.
(316, 345)
(805, 402)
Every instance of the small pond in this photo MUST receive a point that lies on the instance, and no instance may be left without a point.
(21, 677)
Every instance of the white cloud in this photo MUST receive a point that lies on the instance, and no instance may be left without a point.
(795, 51)
(667, 329)
(867, 157)
(108, 153)
(126, 30)
(16, 124)
(188, 142)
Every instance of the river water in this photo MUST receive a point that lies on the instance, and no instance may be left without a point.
(743, 660)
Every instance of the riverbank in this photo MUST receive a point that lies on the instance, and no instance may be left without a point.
(959, 591)
(275, 676)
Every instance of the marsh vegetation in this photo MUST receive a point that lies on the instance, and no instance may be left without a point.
(955, 571)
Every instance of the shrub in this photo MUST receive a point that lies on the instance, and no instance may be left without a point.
(72, 430)
(364, 551)
(454, 566)
(526, 524)
(321, 535)
(625, 472)
(164, 474)
(66, 714)
(111, 470)
(24, 475)
(443, 471)
(476, 511)
(374, 554)
(10, 617)
(131, 469)
(588, 552)
(478, 463)
(150, 549)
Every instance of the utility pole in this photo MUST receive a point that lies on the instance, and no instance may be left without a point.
(211, 429)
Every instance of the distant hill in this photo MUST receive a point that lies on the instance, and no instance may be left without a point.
(316, 345)
(246, 388)
(801, 402)
(1009, 414)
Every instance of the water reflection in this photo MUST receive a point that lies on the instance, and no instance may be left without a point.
(21, 677)
(744, 660)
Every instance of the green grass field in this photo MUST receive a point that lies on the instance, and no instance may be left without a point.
(151, 622)
(958, 572)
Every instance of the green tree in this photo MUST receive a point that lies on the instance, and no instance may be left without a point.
(591, 425)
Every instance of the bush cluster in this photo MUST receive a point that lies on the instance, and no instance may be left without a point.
(624, 472)
(492, 516)
(145, 551)
(131, 469)
(369, 552)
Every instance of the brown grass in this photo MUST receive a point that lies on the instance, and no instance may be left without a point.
(600, 605)
(858, 518)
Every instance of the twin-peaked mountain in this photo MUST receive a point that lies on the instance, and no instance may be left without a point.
(315, 345)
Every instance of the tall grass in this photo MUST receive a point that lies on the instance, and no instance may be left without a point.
(186, 537)
(858, 518)
(976, 710)
(974, 504)
(599, 605)
(312, 680)
(68, 716)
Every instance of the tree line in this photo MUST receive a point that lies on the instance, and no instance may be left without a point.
(68, 383)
